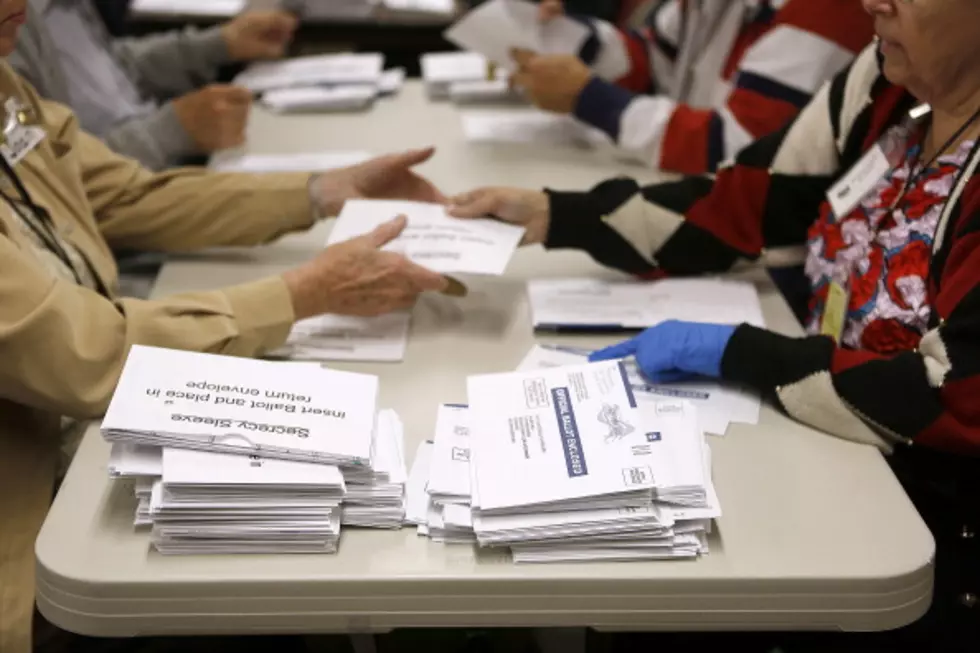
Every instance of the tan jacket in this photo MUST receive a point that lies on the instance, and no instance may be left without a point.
(62, 346)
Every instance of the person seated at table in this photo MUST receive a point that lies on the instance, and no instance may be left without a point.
(892, 252)
(152, 97)
(702, 80)
(65, 199)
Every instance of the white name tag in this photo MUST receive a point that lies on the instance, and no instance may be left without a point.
(20, 137)
(21, 141)
(846, 194)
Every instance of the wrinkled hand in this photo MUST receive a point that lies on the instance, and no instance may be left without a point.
(259, 35)
(553, 82)
(549, 9)
(216, 116)
(386, 177)
(526, 208)
(356, 278)
(674, 351)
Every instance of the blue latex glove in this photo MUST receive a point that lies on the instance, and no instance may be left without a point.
(674, 351)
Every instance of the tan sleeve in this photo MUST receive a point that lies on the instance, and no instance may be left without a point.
(181, 209)
(63, 346)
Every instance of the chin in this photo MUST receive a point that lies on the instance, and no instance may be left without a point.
(895, 72)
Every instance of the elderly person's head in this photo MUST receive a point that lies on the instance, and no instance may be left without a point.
(931, 47)
(13, 13)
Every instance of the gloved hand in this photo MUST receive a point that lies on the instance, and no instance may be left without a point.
(674, 351)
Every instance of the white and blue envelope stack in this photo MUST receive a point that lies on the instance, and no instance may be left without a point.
(231, 455)
(563, 464)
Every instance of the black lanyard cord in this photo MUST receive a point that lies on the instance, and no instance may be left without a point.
(46, 231)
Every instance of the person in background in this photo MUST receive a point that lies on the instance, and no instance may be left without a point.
(65, 199)
(892, 357)
(702, 79)
(151, 97)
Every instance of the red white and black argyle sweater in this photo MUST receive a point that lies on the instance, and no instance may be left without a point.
(768, 199)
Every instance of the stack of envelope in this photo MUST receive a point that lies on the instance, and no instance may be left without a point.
(562, 465)
(222, 503)
(376, 495)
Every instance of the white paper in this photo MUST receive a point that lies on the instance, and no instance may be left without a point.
(391, 81)
(446, 67)
(554, 435)
(314, 70)
(305, 162)
(449, 472)
(495, 90)
(188, 7)
(638, 305)
(717, 405)
(528, 126)
(432, 238)
(318, 98)
(416, 498)
(298, 411)
(440, 7)
(133, 460)
(341, 337)
(495, 28)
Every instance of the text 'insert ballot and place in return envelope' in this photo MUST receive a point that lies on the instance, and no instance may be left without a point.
(432, 238)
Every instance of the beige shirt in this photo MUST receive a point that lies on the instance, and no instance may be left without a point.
(62, 345)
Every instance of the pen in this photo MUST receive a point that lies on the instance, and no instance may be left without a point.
(585, 328)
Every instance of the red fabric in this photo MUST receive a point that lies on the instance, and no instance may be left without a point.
(758, 114)
(685, 145)
(739, 224)
(842, 21)
(640, 74)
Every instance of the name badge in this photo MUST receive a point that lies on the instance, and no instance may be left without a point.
(835, 311)
(19, 137)
(846, 194)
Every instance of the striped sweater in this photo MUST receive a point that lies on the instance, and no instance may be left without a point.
(768, 199)
(705, 78)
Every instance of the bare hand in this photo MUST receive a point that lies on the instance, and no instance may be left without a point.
(526, 208)
(356, 278)
(259, 35)
(550, 9)
(386, 177)
(553, 82)
(216, 116)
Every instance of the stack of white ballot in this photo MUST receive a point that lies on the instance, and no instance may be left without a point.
(199, 500)
(215, 8)
(376, 495)
(563, 464)
(464, 77)
(329, 82)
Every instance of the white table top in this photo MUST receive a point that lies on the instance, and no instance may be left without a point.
(816, 533)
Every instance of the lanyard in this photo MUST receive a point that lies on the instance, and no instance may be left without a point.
(42, 226)
(914, 177)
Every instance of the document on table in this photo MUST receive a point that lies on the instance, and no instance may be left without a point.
(441, 7)
(586, 303)
(391, 81)
(717, 405)
(495, 28)
(528, 125)
(348, 97)
(188, 7)
(449, 474)
(293, 411)
(342, 337)
(550, 436)
(432, 238)
(305, 162)
(332, 69)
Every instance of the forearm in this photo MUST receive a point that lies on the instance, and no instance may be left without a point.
(173, 63)
(158, 140)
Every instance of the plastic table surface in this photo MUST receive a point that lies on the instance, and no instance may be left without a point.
(816, 533)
